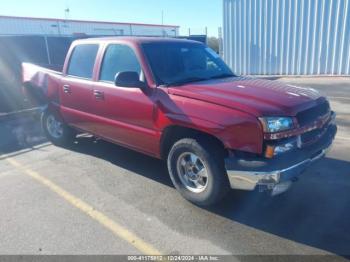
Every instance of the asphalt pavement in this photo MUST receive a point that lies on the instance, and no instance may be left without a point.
(98, 198)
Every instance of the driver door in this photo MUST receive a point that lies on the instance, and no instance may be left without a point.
(124, 114)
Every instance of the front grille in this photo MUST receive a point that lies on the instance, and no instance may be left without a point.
(312, 136)
(310, 115)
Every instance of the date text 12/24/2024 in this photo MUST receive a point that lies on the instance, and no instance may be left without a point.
(173, 258)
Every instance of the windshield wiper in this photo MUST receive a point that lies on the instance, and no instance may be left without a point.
(186, 81)
(198, 79)
(222, 76)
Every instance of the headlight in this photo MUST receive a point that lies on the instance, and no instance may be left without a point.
(276, 124)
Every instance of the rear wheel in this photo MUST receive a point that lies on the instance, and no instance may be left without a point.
(56, 131)
(197, 171)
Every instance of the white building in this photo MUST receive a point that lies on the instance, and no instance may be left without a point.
(11, 25)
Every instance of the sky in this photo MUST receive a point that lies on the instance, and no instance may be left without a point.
(194, 14)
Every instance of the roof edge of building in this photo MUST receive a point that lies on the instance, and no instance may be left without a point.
(84, 21)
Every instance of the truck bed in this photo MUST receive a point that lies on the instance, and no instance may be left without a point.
(41, 85)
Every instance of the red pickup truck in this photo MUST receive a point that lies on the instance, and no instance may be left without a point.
(177, 100)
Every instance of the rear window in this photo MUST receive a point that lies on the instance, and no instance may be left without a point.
(82, 61)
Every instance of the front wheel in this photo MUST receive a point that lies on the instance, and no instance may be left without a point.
(197, 171)
(55, 130)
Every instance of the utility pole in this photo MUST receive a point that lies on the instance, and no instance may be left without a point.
(221, 45)
(66, 13)
(163, 31)
(162, 17)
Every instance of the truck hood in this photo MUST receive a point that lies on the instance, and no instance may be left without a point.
(255, 96)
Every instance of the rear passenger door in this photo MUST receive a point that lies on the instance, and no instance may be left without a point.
(76, 91)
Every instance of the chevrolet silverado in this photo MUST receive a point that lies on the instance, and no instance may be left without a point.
(177, 100)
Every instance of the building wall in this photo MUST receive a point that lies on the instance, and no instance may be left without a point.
(45, 42)
(57, 27)
(287, 37)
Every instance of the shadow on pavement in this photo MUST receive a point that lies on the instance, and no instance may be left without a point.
(315, 212)
(20, 131)
(146, 166)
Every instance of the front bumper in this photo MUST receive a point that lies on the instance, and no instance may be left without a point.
(277, 174)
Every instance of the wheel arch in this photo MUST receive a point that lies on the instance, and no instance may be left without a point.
(174, 133)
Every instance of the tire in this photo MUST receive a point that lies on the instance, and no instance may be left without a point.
(61, 134)
(186, 172)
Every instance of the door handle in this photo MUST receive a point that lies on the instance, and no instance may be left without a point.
(66, 89)
(99, 94)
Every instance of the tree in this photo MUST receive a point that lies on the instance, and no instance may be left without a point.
(213, 43)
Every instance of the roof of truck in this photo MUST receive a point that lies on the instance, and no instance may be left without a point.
(135, 39)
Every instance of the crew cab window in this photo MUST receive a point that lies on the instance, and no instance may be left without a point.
(82, 61)
(118, 58)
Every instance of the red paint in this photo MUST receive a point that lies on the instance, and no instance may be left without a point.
(225, 108)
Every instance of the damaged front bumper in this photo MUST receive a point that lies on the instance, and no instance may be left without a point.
(277, 174)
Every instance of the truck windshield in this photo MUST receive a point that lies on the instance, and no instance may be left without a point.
(180, 63)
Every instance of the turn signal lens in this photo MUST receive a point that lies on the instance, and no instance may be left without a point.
(270, 152)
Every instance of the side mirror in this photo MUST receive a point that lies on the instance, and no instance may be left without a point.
(128, 79)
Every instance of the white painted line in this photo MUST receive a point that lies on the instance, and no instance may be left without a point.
(338, 97)
(26, 150)
(342, 138)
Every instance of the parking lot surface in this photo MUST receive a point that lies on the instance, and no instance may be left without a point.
(98, 198)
